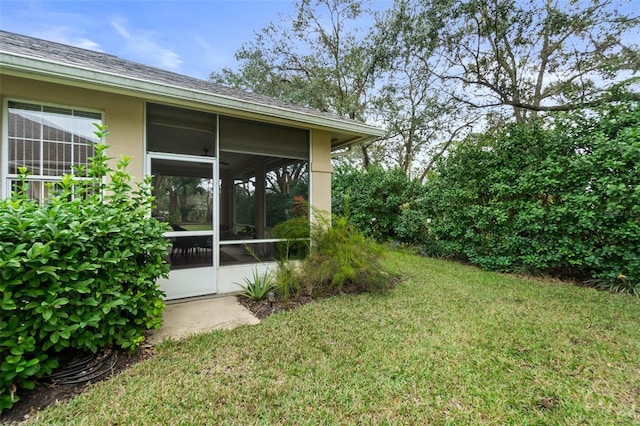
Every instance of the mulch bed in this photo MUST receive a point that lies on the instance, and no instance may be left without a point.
(264, 308)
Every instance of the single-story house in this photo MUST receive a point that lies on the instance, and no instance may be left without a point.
(227, 166)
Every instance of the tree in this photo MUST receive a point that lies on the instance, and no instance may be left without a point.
(359, 74)
(285, 179)
(320, 59)
(421, 122)
(177, 196)
(433, 71)
(540, 55)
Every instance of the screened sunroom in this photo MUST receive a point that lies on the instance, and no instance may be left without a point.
(228, 167)
(224, 185)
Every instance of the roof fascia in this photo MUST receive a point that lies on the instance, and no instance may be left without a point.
(19, 64)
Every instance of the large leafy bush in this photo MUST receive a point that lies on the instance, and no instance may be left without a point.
(77, 271)
(563, 199)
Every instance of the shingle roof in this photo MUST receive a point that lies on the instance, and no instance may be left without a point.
(104, 63)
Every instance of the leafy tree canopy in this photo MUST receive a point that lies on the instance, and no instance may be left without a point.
(431, 72)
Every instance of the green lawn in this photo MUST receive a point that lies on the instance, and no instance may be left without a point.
(450, 345)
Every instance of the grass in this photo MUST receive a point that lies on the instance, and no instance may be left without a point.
(450, 345)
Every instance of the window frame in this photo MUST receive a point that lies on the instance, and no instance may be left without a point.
(7, 178)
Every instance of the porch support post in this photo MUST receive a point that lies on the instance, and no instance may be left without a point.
(227, 219)
(261, 201)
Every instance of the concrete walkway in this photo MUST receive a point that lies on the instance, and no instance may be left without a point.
(183, 318)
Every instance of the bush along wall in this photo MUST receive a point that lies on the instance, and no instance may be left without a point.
(382, 204)
(77, 271)
(561, 199)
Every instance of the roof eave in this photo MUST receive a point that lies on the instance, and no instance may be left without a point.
(19, 64)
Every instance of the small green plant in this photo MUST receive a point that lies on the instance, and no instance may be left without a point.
(619, 284)
(295, 238)
(287, 281)
(340, 256)
(295, 234)
(258, 287)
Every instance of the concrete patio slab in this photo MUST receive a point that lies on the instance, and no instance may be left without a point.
(183, 318)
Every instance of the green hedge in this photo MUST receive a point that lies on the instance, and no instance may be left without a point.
(379, 203)
(540, 198)
(77, 271)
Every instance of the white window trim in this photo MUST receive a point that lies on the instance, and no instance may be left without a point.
(5, 176)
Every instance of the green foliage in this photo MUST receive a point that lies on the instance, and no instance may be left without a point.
(282, 205)
(562, 200)
(333, 255)
(295, 235)
(78, 271)
(379, 203)
(258, 287)
(295, 238)
(340, 256)
(287, 280)
(412, 224)
(620, 285)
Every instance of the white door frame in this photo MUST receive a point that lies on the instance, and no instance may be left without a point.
(198, 281)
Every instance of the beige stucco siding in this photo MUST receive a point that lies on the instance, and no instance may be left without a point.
(123, 115)
(321, 170)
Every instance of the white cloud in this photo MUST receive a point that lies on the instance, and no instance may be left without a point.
(120, 29)
(66, 35)
(87, 44)
(145, 46)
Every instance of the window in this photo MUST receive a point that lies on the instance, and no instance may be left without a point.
(49, 141)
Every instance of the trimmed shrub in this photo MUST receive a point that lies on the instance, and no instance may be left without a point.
(77, 271)
(563, 200)
(378, 202)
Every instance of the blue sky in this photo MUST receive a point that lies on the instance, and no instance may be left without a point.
(188, 37)
(192, 37)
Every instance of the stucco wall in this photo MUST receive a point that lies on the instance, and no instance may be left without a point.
(123, 115)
